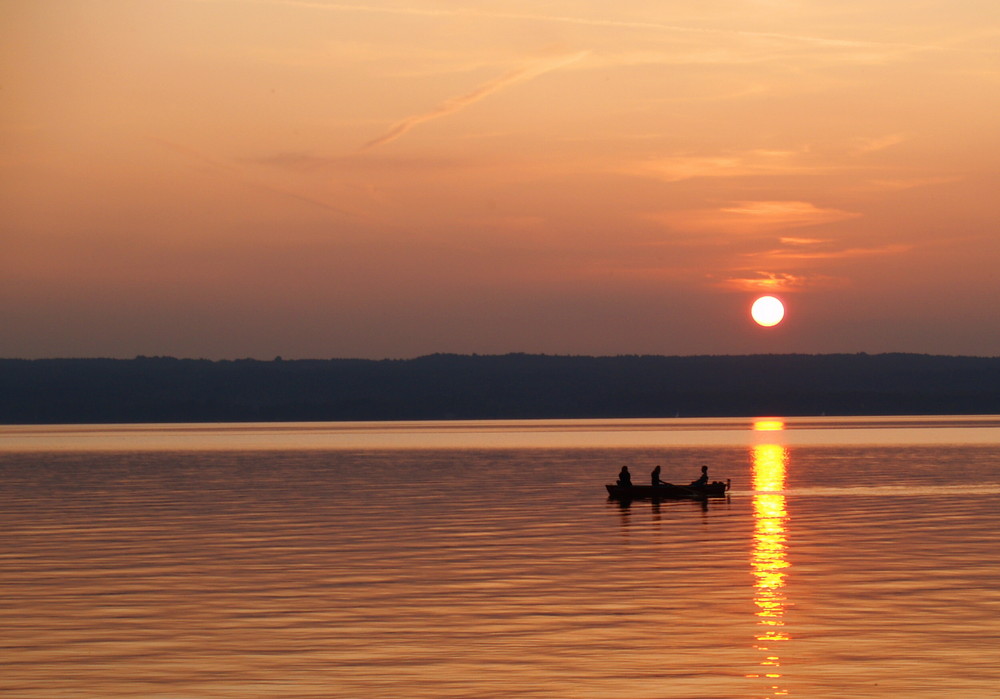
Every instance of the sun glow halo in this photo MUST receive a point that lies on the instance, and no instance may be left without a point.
(767, 311)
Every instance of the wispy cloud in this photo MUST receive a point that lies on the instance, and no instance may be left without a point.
(798, 260)
(832, 254)
(873, 145)
(740, 164)
(902, 183)
(756, 217)
(456, 104)
(599, 22)
(790, 240)
(773, 282)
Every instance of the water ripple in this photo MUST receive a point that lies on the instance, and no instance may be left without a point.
(401, 574)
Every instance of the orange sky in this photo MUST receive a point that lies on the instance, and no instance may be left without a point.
(231, 178)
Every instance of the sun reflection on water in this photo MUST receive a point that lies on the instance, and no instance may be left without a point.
(768, 558)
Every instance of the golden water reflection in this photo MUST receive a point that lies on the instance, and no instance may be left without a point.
(768, 559)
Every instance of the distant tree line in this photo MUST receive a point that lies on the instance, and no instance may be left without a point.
(445, 386)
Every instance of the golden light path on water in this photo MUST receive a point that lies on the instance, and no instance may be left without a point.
(768, 559)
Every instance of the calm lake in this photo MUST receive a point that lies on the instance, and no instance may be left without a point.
(852, 558)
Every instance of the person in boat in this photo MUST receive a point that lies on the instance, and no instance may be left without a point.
(703, 479)
(624, 477)
(654, 477)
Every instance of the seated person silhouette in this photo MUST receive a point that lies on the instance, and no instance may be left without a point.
(654, 477)
(703, 479)
(624, 477)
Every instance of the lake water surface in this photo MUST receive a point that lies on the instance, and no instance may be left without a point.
(852, 558)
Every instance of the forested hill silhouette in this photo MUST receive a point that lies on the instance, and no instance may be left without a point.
(444, 386)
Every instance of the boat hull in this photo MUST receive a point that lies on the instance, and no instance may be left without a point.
(667, 492)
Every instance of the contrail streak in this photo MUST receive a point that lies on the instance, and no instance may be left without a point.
(233, 172)
(456, 104)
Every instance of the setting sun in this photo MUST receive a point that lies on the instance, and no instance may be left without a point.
(767, 311)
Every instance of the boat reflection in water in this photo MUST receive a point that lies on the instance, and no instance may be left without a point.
(768, 557)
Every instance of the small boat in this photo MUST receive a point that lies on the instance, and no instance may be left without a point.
(667, 491)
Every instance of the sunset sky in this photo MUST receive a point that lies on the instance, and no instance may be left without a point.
(251, 178)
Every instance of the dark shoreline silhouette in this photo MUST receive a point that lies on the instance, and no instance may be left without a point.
(448, 386)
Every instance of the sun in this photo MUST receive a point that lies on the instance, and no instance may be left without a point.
(767, 311)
